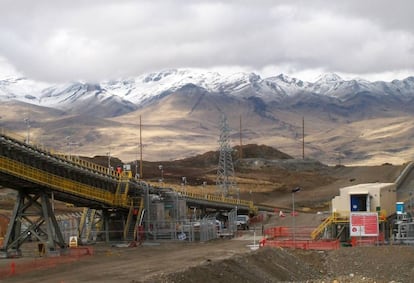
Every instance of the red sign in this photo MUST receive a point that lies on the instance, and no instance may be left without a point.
(364, 224)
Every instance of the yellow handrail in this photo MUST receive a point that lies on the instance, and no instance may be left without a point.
(61, 184)
(341, 217)
(216, 198)
(315, 233)
(72, 158)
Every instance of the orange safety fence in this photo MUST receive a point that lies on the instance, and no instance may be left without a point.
(302, 244)
(368, 241)
(278, 231)
(289, 232)
(15, 267)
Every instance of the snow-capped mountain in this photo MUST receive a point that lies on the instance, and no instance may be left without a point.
(85, 98)
(21, 89)
(182, 106)
(145, 87)
(136, 92)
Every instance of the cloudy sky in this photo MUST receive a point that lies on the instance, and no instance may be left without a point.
(60, 41)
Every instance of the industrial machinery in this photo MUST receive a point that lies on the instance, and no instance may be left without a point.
(403, 225)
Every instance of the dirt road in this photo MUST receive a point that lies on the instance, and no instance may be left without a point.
(230, 261)
(123, 264)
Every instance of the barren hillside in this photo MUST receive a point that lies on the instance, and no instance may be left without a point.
(267, 175)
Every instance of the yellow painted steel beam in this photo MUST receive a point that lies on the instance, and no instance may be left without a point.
(61, 184)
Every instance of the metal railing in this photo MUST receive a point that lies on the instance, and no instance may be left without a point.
(61, 184)
(219, 199)
(190, 193)
(68, 157)
(341, 217)
(328, 221)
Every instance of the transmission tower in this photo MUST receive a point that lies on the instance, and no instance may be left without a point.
(225, 174)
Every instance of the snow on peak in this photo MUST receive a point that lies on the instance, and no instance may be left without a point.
(150, 85)
(329, 78)
(21, 89)
(285, 78)
(145, 87)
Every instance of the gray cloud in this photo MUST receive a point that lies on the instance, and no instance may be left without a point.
(95, 40)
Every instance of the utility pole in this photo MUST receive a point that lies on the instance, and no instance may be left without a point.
(136, 163)
(241, 144)
(303, 137)
(27, 121)
(140, 145)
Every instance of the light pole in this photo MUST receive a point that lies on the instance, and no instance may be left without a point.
(136, 170)
(68, 144)
(27, 121)
(162, 173)
(109, 161)
(204, 188)
(184, 183)
(136, 163)
(295, 190)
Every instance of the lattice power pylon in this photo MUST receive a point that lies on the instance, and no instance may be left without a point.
(225, 180)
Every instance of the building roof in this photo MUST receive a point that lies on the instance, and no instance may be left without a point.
(365, 187)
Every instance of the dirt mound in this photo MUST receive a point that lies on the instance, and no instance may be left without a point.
(382, 263)
(261, 151)
(264, 265)
(361, 264)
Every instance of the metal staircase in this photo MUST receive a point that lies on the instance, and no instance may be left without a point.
(318, 231)
(133, 219)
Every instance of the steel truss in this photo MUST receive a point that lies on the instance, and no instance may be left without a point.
(33, 219)
(225, 180)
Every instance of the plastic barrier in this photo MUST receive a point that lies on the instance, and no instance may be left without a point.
(367, 241)
(279, 231)
(75, 254)
(305, 245)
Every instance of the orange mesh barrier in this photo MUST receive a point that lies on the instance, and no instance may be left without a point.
(279, 231)
(75, 254)
(302, 233)
(303, 244)
(367, 241)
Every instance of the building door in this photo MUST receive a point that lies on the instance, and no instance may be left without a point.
(359, 202)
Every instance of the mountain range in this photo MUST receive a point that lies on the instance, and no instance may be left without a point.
(349, 121)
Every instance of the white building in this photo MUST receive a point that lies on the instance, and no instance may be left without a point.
(372, 197)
